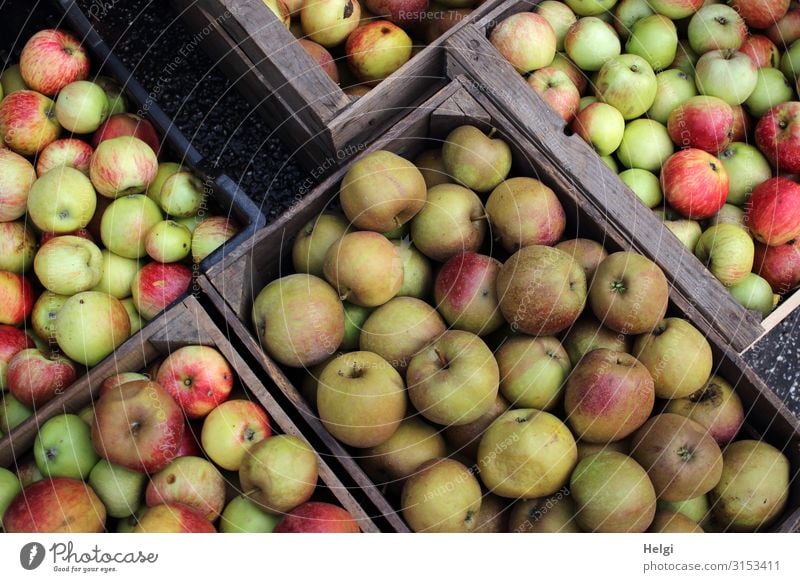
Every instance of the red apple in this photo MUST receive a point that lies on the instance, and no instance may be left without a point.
(51, 60)
(16, 298)
(28, 122)
(317, 517)
(71, 152)
(12, 341)
(189, 445)
(16, 178)
(57, 505)
(702, 122)
(197, 377)
(128, 124)
(761, 50)
(557, 90)
(773, 213)
(780, 265)
(742, 124)
(157, 285)
(786, 30)
(778, 136)
(35, 378)
(173, 518)
(323, 58)
(694, 183)
(761, 13)
(118, 380)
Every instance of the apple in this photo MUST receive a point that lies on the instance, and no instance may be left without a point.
(117, 100)
(279, 473)
(197, 377)
(125, 224)
(172, 518)
(12, 341)
(314, 240)
(168, 242)
(28, 122)
(645, 185)
(61, 201)
(51, 59)
(590, 7)
(685, 58)
(431, 166)
(329, 22)
(476, 160)
(17, 175)
(780, 265)
(628, 83)
(118, 380)
(778, 136)
(211, 234)
(655, 39)
(533, 371)
(16, 298)
(417, 271)
(119, 489)
(526, 40)
(645, 145)
(165, 170)
(557, 90)
(590, 42)
(601, 126)
(322, 57)
(11, 80)
(317, 517)
(299, 320)
(729, 214)
(63, 448)
(133, 315)
(773, 213)
(562, 63)
(380, 192)
(354, 318)
(588, 253)
(790, 61)
(771, 89)
(742, 124)
(57, 505)
(702, 122)
(404, 13)
(127, 124)
(117, 274)
(35, 378)
(376, 50)
(465, 438)
(68, 265)
(231, 429)
(90, 325)
(747, 168)
(554, 514)
(716, 406)
(728, 74)
(413, 443)
(761, 14)
(12, 413)
(587, 334)
(157, 285)
(191, 481)
(761, 50)
(728, 252)
(676, 9)
(182, 195)
(10, 486)
(559, 16)
(122, 166)
(71, 152)
(81, 107)
(465, 293)
(694, 183)
(243, 516)
(785, 31)
(716, 27)
(17, 247)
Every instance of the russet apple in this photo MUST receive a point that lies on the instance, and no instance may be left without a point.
(533, 371)
(314, 240)
(317, 517)
(476, 160)
(51, 59)
(554, 514)
(376, 50)
(16, 298)
(157, 285)
(62, 201)
(587, 334)
(557, 90)
(127, 124)
(431, 165)
(197, 377)
(28, 122)
(35, 378)
(728, 251)
(702, 122)
(417, 271)
(673, 522)
(773, 211)
(122, 166)
(695, 183)
(90, 325)
(212, 233)
(192, 481)
(329, 22)
(588, 253)
(57, 505)
(464, 439)
(716, 406)
(526, 40)
(17, 175)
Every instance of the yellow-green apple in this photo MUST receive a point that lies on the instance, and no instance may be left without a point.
(524, 212)
(11, 80)
(12, 341)
(117, 100)
(322, 57)
(43, 316)
(590, 7)
(10, 486)
(754, 293)
(181, 195)
(243, 516)
(533, 371)
(68, 265)
(12, 412)
(118, 380)
(557, 90)
(542, 290)
(28, 122)
(158, 285)
(673, 522)
(465, 438)
(168, 242)
(526, 453)
(559, 16)
(678, 357)
(790, 61)
(773, 212)
(197, 377)
(587, 334)
(354, 318)
(674, 87)
(442, 496)
(728, 252)
(431, 165)
(695, 183)
(380, 192)
(728, 74)
(365, 268)
(761, 14)
(628, 83)
(81, 107)
(231, 429)
(71, 152)
(136, 320)
(57, 505)
(645, 185)
(682, 460)
(125, 224)
(329, 22)
(695, 509)
(376, 50)
(465, 293)
(51, 59)
(299, 320)
(771, 89)
(127, 124)
(702, 122)
(655, 39)
(608, 396)
(279, 473)
(399, 329)
(63, 448)
(588, 253)
(454, 380)
(587, 449)
(716, 27)
(676, 9)
(761, 50)
(753, 489)
(35, 377)
(122, 166)
(16, 298)
(715, 406)
(61, 201)
(627, 13)
(165, 170)
(172, 518)
(138, 426)
(413, 443)
(211, 234)
(780, 265)
(629, 293)
(192, 481)
(612, 494)
(601, 126)
(117, 274)
(562, 63)
(747, 168)
(17, 175)
(645, 145)
(361, 399)
(417, 271)
(474, 159)
(526, 40)
(554, 514)
(90, 325)
(590, 42)
(778, 136)
(17, 247)
(119, 489)
(318, 517)
(314, 240)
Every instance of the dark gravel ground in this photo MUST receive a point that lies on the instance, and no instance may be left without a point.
(146, 34)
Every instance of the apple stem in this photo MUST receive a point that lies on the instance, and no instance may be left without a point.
(441, 357)
(492, 131)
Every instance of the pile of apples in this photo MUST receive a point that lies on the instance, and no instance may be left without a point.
(359, 46)
(487, 367)
(76, 169)
(694, 103)
(136, 457)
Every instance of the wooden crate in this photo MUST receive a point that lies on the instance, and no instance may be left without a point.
(470, 52)
(233, 284)
(184, 324)
(322, 126)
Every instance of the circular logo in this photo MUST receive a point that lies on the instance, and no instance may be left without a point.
(31, 555)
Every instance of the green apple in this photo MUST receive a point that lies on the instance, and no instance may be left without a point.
(688, 231)
(119, 489)
(586, 101)
(117, 101)
(676, 9)
(165, 170)
(559, 16)
(329, 22)
(645, 185)
(90, 325)
(728, 74)
(11, 80)
(645, 145)
(476, 160)
(771, 89)
(590, 42)
(63, 448)
(9, 487)
(790, 61)
(12, 412)
(715, 27)
(655, 39)
(82, 106)
(125, 224)
(728, 252)
(62, 200)
(590, 7)
(417, 271)
(600, 125)
(117, 275)
(628, 83)
(526, 40)
(674, 88)
(611, 163)
(729, 214)
(747, 168)
(243, 516)
(533, 371)
(755, 293)
(314, 240)
(45, 311)
(354, 318)
(182, 194)
(627, 13)
(685, 59)
(133, 315)
(67, 265)
(168, 242)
